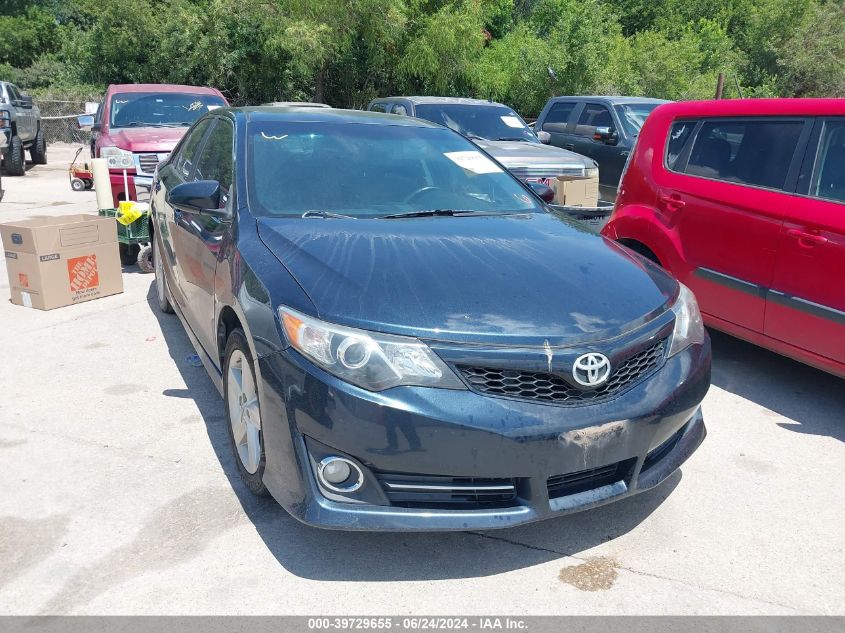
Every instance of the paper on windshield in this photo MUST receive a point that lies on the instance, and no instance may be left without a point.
(473, 161)
(512, 121)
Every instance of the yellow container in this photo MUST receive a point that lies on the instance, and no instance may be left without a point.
(127, 212)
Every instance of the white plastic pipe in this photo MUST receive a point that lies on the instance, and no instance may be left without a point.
(102, 183)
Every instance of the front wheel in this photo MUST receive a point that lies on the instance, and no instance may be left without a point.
(38, 151)
(13, 160)
(243, 412)
(162, 292)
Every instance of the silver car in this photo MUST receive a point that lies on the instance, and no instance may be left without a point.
(499, 131)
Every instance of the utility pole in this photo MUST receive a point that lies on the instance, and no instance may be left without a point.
(720, 85)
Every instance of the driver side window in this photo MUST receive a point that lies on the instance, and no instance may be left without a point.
(184, 162)
(215, 162)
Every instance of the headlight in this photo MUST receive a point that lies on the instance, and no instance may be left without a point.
(117, 158)
(591, 172)
(689, 328)
(5, 117)
(370, 360)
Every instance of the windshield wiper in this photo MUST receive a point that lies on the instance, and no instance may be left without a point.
(327, 214)
(439, 212)
(511, 138)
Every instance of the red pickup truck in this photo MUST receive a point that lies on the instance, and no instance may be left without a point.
(138, 125)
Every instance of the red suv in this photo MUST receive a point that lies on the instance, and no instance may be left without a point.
(137, 126)
(744, 202)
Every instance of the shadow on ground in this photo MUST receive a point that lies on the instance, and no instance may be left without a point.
(812, 399)
(356, 556)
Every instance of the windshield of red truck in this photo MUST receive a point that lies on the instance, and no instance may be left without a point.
(156, 109)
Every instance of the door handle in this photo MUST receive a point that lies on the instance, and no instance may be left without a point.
(805, 239)
(569, 146)
(672, 201)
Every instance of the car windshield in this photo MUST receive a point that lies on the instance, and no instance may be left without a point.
(370, 170)
(151, 109)
(633, 115)
(494, 123)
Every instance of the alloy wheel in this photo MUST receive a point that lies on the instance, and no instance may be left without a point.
(244, 415)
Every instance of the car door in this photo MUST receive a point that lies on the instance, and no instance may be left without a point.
(610, 158)
(806, 305)
(201, 235)
(23, 116)
(178, 169)
(557, 123)
(724, 196)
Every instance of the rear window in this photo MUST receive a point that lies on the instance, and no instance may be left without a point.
(829, 173)
(749, 152)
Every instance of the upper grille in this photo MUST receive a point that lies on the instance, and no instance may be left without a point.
(148, 162)
(434, 491)
(546, 171)
(573, 483)
(548, 387)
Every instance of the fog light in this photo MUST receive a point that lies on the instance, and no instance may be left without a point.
(339, 474)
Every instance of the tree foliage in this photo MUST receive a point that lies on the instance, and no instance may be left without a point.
(346, 52)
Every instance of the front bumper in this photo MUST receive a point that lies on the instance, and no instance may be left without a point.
(650, 430)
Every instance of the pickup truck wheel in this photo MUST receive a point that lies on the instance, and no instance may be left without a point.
(13, 159)
(38, 151)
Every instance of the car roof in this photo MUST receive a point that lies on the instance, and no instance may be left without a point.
(325, 115)
(614, 99)
(755, 107)
(421, 100)
(163, 88)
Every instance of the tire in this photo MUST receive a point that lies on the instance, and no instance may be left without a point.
(77, 185)
(243, 413)
(162, 291)
(13, 159)
(145, 259)
(128, 253)
(38, 151)
(89, 184)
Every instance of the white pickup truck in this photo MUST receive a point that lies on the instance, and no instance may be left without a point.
(20, 130)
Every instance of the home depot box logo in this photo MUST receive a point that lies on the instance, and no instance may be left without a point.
(58, 261)
(82, 272)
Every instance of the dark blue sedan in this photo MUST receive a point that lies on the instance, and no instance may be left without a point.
(406, 337)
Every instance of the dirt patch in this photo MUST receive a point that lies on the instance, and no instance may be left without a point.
(595, 574)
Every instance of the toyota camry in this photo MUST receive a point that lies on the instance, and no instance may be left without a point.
(406, 337)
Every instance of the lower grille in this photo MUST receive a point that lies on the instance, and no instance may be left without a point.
(573, 483)
(433, 491)
(548, 387)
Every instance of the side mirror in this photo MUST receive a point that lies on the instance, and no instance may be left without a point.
(200, 196)
(544, 192)
(544, 137)
(25, 102)
(605, 135)
(85, 122)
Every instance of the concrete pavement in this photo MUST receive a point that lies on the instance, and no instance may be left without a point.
(120, 495)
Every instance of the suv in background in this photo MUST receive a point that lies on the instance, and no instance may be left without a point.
(138, 125)
(744, 202)
(496, 129)
(603, 128)
(20, 130)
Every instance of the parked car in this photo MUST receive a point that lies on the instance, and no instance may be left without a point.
(744, 201)
(603, 128)
(405, 337)
(498, 130)
(137, 125)
(20, 130)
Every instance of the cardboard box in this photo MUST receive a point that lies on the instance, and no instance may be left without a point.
(58, 261)
(582, 192)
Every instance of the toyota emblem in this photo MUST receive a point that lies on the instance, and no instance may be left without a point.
(591, 370)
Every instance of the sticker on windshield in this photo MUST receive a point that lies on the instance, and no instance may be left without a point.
(512, 121)
(195, 105)
(475, 162)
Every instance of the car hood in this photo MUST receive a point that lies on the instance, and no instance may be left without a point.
(513, 154)
(145, 139)
(518, 279)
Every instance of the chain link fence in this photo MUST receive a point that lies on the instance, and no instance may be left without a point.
(58, 120)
